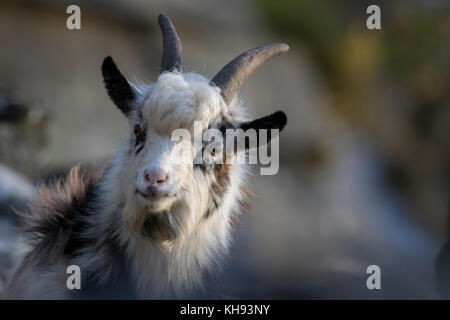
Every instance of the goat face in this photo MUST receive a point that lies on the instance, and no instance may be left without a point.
(163, 168)
(164, 187)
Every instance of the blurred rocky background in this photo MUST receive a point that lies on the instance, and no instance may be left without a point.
(364, 174)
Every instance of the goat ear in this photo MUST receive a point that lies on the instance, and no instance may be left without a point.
(119, 89)
(276, 120)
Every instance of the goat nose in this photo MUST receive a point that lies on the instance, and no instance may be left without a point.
(155, 176)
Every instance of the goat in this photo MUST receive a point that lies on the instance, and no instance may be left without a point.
(161, 224)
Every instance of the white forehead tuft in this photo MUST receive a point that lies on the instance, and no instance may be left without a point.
(177, 100)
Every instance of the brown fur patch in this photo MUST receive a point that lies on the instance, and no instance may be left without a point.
(218, 187)
(244, 203)
(222, 174)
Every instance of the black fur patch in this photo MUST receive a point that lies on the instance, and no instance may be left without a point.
(75, 240)
(57, 219)
(139, 138)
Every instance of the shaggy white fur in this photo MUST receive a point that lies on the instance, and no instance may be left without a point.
(173, 262)
(171, 266)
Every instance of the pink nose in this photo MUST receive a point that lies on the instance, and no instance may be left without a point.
(155, 176)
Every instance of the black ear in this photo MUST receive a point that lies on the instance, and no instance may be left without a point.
(276, 120)
(119, 90)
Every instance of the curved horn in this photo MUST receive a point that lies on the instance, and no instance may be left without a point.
(231, 77)
(172, 59)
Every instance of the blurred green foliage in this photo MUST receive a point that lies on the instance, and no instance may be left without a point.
(413, 36)
(392, 84)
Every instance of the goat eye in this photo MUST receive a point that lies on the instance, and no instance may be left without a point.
(137, 130)
(139, 137)
(138, 133)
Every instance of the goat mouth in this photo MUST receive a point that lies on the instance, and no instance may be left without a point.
(154, 196)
